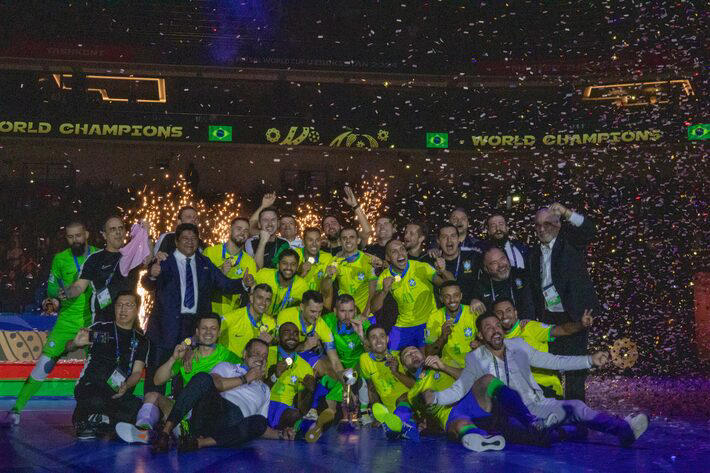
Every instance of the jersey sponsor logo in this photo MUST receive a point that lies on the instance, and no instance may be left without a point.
(412, 283)
(106, 266)
(468, 332)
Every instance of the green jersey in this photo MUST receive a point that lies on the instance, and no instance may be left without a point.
(205, 364)
(63, 273)
(345, 341)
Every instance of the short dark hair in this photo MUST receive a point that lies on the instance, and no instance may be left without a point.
(446, 225)
(308, 230)
(401, 352)
(103, 227)
(451, 283)
(423, 229)
(263, 287)
(186, 227)
(288, 323)
(182, 209)
(501, 300)
(75, 223)
(268, 209)
(289, 252)
(329, 216)
(254, 341)
(311, 295)
(208, 316)
(348, 229)
(344, 299)
(238, 219)
(486, 315)
(133, 294)
(373, 327)
(495, 214)
(392, 240)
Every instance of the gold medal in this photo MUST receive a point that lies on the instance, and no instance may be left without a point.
(289, 361)
(264, 328)
(397, 278)
(188, 341)
(311, 259)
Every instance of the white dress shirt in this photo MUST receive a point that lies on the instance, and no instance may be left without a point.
(252, 399)
(514, 255)
(546, 260)
(180, 259)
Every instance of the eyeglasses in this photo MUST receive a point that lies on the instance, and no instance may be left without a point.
(127, 305)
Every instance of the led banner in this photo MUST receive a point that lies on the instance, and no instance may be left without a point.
(245, 131)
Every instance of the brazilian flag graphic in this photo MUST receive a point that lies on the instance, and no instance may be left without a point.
(699, 132)
(220, 133)
(437, 140)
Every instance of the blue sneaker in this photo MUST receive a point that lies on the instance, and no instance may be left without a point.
(410, 432)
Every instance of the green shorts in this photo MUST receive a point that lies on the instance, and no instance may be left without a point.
(59, 336)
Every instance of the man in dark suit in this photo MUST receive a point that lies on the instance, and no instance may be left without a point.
(182, 285)
(561, 286)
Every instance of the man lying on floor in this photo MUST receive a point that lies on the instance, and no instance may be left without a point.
(509, 360)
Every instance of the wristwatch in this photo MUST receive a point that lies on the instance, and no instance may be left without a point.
(243, 379)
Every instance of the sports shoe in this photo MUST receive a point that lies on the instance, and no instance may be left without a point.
(386, 418)
(410, 432)
(129, 433)
(638, 424)
(312, 414)
(324, 418)
(482, 443)
(85, 430)
(366, 418)
(10, 418)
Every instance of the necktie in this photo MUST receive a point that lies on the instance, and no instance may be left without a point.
(189, 286)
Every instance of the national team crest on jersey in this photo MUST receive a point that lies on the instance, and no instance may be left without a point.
(351, 345)
(294, 379)
(239, 271)
(467, 266)
(412, 283)
(360, 276)
(437, 375)
(468, 332)
(518, 283)
(320, 275)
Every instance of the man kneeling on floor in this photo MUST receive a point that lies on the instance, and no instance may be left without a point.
(198, 354)
(509, 360)
(229, 405)
(117, 356)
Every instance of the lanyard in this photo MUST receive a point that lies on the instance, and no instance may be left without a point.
(394, 273)
(505, 362)
(113, 271)
(284, 354)
(76, 260)
(458, 265)
(458, 315)
(418, 373)
(118, 350)
(378, 359)
(352, 258)
(254, 323)
(493, 293)
(224, 254)
(304, 326)
(343, 329)
(303, 253)
(284, 301)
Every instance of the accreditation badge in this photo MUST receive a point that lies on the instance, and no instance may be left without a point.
(104, 298)
(116, 379)
(553, 301)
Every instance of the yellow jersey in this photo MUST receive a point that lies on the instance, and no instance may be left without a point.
(315, 275)
(436, 381)
(283, 297)
(239, 326)
(354, 275)
(241, 262)
(294, 315)
(413, 290)
(290, 383)
(388, 387)
(463, 333)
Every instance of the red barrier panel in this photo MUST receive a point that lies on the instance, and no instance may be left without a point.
(701, 284)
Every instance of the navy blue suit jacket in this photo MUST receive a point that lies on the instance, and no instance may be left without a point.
(164, 323)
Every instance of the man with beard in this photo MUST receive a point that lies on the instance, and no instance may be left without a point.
(384, 231)
(231, 258)
(498, 236)
(510, 361)
(314, 261)
(499, 280)
(459, 220)
(287, 287)
(560, 283)
(464, 265)
(203, 353)
(538, 335)
(415, 234)
(288, 230)
(332, 227)
(353, 271)
(243, 324)
(266, 246)
(101, 271)
(74, 314)
(412, 286)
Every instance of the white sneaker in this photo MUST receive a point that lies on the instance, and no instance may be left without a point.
(638, 423)
(366, 419)
(312, 414)
(10, 418)
(129, 433)
(482, 443)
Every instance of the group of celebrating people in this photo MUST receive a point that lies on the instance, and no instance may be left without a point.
(282, 334)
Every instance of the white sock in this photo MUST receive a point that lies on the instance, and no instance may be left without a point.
(363, 394)
(149, 414)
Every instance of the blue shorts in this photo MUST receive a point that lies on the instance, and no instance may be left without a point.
(310, 356)
(401, 337)
(467, 408)
(276, 410)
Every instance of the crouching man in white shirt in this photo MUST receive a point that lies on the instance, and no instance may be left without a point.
(509, 360)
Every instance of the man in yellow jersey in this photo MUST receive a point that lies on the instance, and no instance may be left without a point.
(241, 325)
(538, 335)
(287, 286)
(234, 261)
(451, 330)
(353, 271)
(314, 261)
(412, 286)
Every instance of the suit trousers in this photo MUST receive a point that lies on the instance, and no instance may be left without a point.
(572, 345)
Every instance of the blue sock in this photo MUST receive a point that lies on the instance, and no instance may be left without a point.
(404, 412)
(319, 394)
